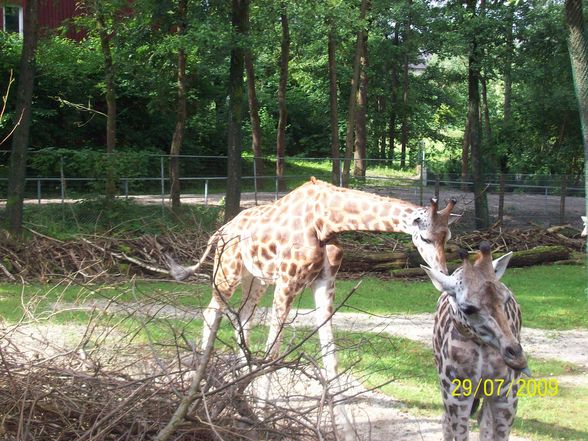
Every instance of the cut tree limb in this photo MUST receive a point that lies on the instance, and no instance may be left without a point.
(534, 256)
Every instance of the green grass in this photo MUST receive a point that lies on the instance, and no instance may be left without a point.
(409, 371)
(552, 296)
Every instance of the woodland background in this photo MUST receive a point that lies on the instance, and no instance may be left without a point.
(485, 86)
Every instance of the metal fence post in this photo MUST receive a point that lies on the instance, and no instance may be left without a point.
(162, 183)
(562, 200)
(255, 179)
(340, 173)
(277, 188)
(126, 189)
(39, 191)
(62, 180)
(206, 192)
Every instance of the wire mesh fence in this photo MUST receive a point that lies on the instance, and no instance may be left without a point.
(65, 178)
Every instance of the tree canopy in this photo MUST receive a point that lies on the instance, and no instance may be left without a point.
(523, 54)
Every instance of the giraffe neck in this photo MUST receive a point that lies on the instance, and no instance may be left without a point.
(343, 210)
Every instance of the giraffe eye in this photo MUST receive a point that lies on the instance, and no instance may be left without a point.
(427, 241)
(470, 309)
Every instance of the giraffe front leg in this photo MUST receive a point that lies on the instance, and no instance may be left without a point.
(281, 307)
(214, 308)
(504, 409)
(324, 292)
(486, 420)
(456, 417)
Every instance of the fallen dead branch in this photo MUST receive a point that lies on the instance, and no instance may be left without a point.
(100, 258)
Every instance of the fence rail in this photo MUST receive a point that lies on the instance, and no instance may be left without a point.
(541, 199)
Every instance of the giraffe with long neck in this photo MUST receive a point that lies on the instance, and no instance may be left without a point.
(292, 244)
(476, 339)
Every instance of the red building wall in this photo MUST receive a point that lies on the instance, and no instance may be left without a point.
(52, 13)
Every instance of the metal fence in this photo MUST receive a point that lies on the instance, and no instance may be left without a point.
(527, 198)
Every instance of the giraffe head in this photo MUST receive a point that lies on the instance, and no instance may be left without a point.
(430, 232)
(479, 304)
(585, 230)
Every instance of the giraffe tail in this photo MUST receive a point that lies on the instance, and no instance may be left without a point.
(179, 272)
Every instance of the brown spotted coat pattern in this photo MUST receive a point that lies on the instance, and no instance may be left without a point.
(476, 338)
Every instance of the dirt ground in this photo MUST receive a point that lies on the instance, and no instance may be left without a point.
(376, 416)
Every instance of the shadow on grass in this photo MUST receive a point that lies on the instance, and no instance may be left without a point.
(532, 426)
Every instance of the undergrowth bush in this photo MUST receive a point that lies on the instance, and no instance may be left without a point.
(117, 217)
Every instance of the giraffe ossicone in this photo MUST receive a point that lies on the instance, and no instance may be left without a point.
(292, 243)
(476, 338)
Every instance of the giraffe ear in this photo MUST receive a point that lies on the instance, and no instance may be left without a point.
(442, 282)
(453, 218)
(500, 265)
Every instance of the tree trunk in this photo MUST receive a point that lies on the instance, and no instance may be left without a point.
(109, 74)
(465, 154)
(239, 21)
(20, 137)
(349, 138)
(178, 136)
(394, 98)
(360, 115)
(283, 117)
(508, 67)
(486, 112)
(506, 121)
(336, 167)
(480, 196)
(578, 48)
(254, 117)
(404, 131)
(382, 135)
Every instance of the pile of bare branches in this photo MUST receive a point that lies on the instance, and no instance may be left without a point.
(95, 258)
(519, 239)
(94, 382)
(98, 258)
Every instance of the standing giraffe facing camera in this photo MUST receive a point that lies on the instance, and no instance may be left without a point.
(292, 244)
(476, 340)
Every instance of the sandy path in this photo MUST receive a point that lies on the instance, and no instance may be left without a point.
(571, 346)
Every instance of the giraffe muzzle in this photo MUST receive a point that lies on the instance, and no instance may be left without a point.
(515, 358)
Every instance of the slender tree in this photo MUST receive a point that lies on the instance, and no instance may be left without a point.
(578, 48)
(404, 131)
(393, 96)
(336, 166)
(178, 136)
(465, 154)
(349, 138)
(254, 116)
(506, 119)
(360, 150)
(475, 141)
(283, 110)
(98, 9)
(20, 136)
(239, 21)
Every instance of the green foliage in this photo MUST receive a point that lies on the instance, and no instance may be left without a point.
(544, 135)
(115, 218)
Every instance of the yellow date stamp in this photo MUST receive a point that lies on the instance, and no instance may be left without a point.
(522, 387)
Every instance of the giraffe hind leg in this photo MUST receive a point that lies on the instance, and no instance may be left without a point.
(252, 291)
(225, 281)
